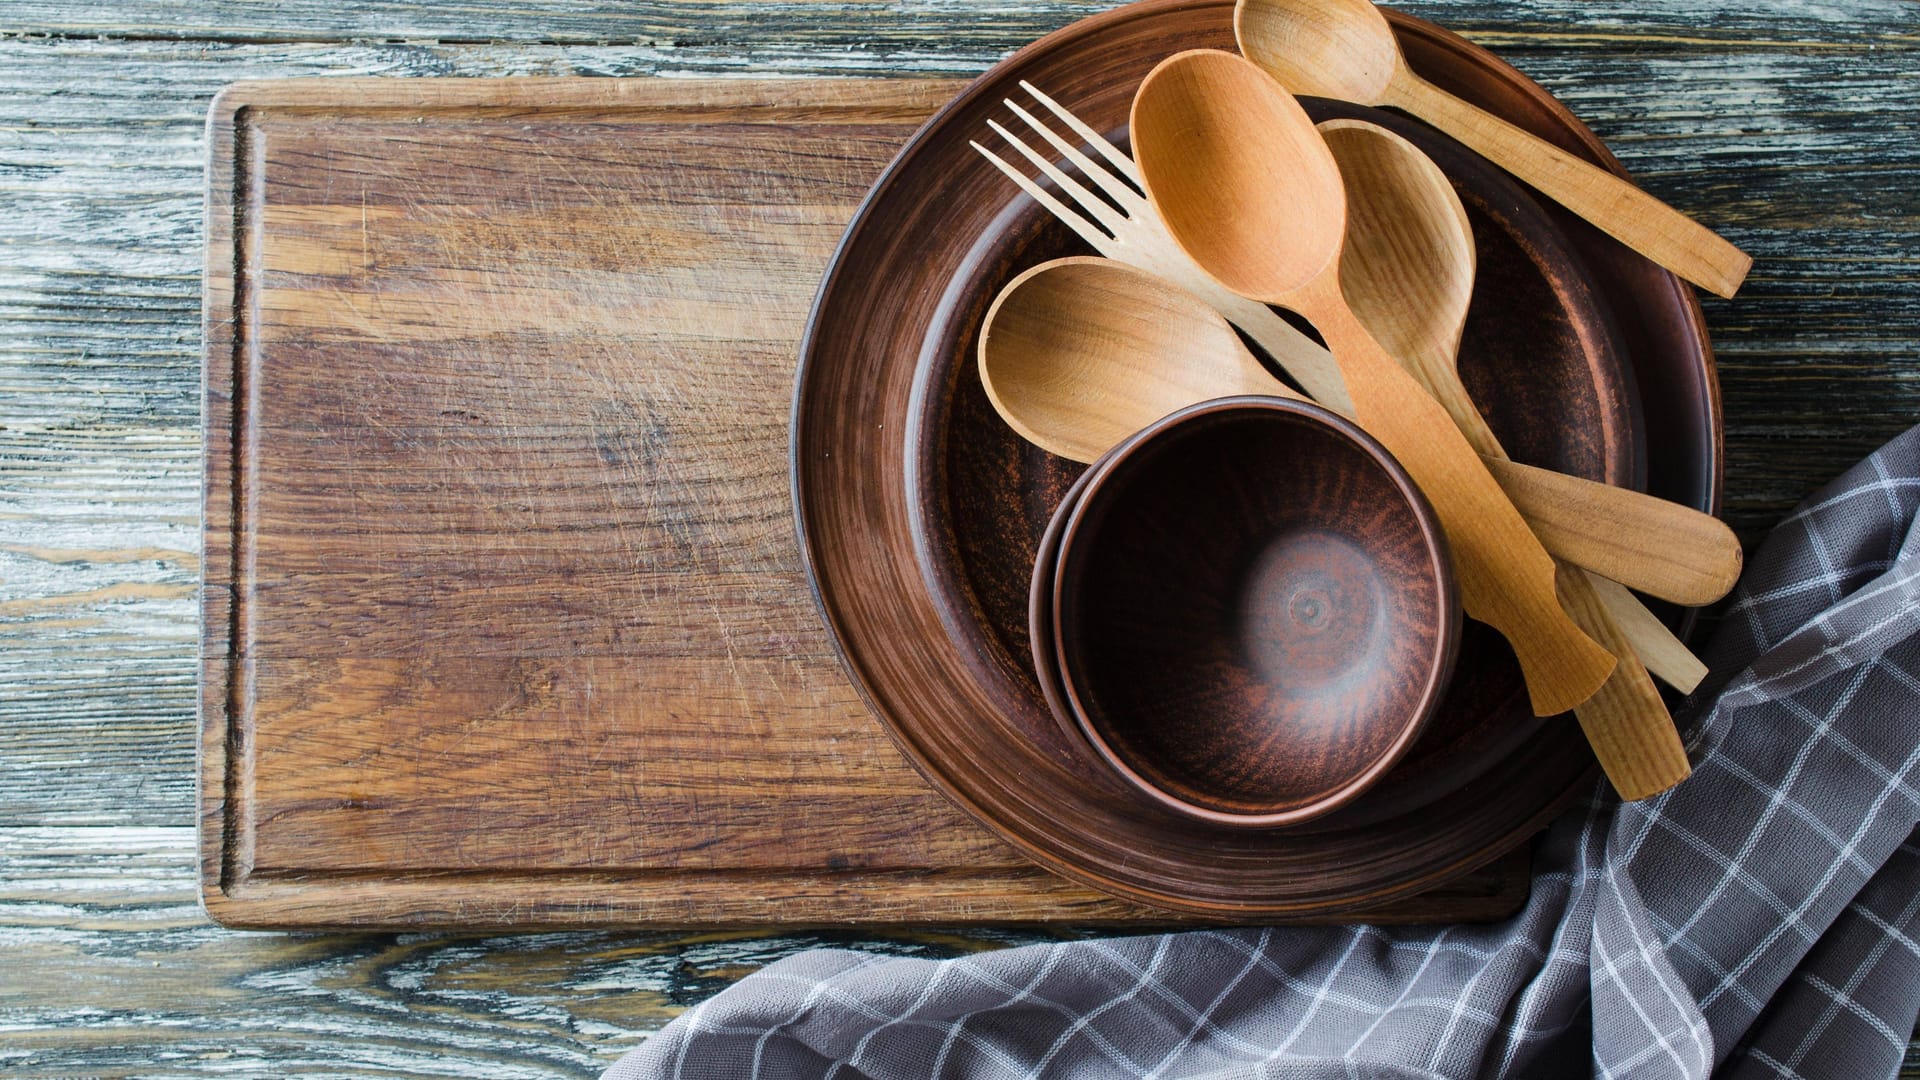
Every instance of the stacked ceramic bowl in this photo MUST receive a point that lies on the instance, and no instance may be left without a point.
(1247, 610)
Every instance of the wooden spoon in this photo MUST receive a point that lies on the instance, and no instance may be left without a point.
(1345, 49)
(1408, 272)
(1247, 186)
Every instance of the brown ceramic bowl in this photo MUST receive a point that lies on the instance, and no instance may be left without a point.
(1253, 611)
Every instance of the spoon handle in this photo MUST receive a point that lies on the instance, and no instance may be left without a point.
(1625, 721)
(1506, 577)
(1615, 206)
(1671, 551)
(1665, 655)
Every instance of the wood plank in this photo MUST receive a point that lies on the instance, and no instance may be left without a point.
(112, 970)
(883, 23)
(458, 603)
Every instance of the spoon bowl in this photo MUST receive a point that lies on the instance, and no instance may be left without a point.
(1199, 111)
(1410, 259)
(1327, 48)
(1077, 354)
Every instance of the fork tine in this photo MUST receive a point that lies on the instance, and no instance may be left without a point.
(1100, 175)
(1100, 241)
(1094, 139)
(1091, 205)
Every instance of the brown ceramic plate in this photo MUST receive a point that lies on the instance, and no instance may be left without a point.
(899, 465)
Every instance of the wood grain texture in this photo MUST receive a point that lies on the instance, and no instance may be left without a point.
(688, 23)
(1768, 119)
(501, 578)
(112, 970)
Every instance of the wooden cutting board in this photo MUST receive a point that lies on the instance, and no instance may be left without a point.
(505, 624)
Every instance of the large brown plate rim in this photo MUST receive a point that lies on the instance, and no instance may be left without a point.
(1687, 306)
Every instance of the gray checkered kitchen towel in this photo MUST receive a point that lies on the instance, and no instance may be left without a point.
(1759, 920)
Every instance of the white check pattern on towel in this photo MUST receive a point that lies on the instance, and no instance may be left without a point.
(1760, 920)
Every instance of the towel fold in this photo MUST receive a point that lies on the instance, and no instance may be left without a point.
(1761, 919)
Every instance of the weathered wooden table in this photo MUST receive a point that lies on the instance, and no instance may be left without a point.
(1791, 125)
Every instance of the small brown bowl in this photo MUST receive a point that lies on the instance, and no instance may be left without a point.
(1253, 611)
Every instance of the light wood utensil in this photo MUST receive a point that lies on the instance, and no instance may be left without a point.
(1247, 186)
(1383, 237)
(1664, 549)
(1408, 272)
(1661, 548)
(1658, 547)
(1664, 654)
(1345, 49)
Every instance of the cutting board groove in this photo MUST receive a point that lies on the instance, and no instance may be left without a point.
(504, 622)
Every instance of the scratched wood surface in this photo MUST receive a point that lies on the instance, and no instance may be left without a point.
(1786, 123)
(503, 582)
